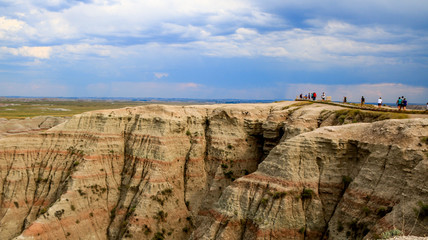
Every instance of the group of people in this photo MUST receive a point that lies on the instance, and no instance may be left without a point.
(402, 103)
(312, 96)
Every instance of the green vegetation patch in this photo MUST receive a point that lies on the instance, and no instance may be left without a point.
(16, 109)
(355, 115)
(346, 180)
(391, 233)
(422, 211)
(382, 211)
(307, 193)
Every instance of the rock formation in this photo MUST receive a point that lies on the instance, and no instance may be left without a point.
(19, 126)
(247, 171)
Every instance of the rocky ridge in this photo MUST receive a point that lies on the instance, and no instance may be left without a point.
(10, 127)
(247, 171)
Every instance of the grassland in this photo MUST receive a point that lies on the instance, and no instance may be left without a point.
(16, 109)
(355, 115)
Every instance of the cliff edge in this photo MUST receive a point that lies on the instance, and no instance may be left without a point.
(248, 171)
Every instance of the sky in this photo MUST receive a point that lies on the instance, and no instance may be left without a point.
(241, 49)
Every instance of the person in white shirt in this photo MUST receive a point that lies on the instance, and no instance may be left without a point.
(379, 102)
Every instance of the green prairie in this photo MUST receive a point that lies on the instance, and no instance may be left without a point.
(22, 109)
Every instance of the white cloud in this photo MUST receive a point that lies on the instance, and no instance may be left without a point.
(141, 18)
(36, 52)
(11, 25)
(388, 91)
(84, 50)
(223, 28)
(130, 18)
(303, 45)
(14, 30)
(161, 75)
(190, 85)
(189, 31)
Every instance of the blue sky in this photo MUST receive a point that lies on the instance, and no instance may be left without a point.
(271, 49)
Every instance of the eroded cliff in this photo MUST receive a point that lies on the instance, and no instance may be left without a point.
(250, 171)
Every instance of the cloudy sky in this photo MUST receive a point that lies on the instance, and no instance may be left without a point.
(246, 49)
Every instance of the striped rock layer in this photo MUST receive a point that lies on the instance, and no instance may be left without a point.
(253, 171)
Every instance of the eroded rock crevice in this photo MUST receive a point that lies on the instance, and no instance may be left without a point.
(134, 178)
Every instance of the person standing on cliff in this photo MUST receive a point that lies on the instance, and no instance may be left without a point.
(363, 100)
(379, 102)
(404, 104)
(323, 96)
(399, 101)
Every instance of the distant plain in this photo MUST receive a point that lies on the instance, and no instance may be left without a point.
(16, 109)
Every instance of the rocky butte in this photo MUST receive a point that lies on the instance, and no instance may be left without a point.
(247, 171)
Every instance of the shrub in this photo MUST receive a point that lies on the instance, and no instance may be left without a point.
(167, 192)
(391, 233)
(72, 208)
(81, 193)
(264, 201)
(278, 195)
(59, 213)
(346, 180)
(366, 210)
(423, 210)
(359, 229)
(43, 210)
(307, 194)
(157, 199)
(340, 227)
(158, 236)
(381, 212)
(113, 213)
(228, 174)
(161, 216)
(188, 133)
(147, 230)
